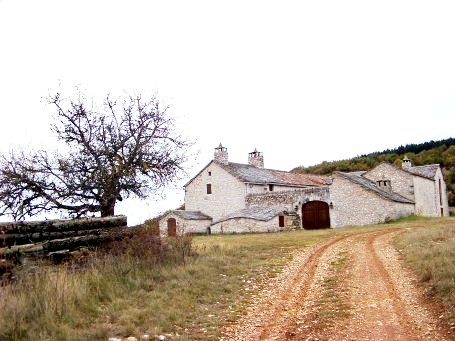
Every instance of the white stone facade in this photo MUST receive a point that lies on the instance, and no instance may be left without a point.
(222, 190)
(429, 194)
(354, 205)
(227, 192)
(401, 182)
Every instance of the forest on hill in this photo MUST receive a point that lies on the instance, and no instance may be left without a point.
(441, 152)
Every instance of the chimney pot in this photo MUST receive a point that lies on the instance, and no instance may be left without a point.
(406, 163)
(256, 159)
(221, 155)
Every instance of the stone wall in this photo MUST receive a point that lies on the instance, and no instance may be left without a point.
(245, 225)
(355, 205)
(401, 181)
(183, 225)
(289, 199)
(228, 193)
(264, 188)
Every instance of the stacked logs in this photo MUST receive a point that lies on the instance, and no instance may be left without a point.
(60, 235)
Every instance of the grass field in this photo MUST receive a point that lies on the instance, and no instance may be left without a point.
(429, 249)
(129, 294)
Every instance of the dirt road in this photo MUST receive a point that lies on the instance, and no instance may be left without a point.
(353, 287)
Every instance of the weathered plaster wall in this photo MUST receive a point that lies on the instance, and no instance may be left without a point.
(184, 226)
(401, 181)
(228, 193)
(244, 225)
(426, 197)
(355, 205)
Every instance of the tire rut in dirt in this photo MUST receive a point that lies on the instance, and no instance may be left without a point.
(275, 312)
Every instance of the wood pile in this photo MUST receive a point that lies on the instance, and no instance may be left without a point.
(60, 236)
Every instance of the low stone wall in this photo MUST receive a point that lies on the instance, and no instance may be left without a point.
(245, 225)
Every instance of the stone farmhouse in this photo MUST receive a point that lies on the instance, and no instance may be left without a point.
(228, 197)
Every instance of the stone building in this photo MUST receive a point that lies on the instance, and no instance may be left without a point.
(228, 197)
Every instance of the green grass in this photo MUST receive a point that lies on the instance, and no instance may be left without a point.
(429, 249)
(332, 304)
(131, 293)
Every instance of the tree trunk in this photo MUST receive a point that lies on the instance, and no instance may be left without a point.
(108, 209)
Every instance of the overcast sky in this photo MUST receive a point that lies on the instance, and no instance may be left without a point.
(301, 81)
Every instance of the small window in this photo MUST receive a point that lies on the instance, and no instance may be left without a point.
(270, 187)
(209, 188)
(281, 221)
(210, 173)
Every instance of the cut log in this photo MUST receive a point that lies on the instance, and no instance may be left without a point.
(27, 248)
(72, 243)
(29, 227)
(89, 240)
(19, 239)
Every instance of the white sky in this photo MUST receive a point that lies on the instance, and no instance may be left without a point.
(301, 81)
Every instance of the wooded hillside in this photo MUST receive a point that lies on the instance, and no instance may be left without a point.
(441, 152)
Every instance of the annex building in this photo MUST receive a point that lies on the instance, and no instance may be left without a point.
(228, 197)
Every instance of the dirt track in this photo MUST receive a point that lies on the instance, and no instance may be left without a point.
(353, 287)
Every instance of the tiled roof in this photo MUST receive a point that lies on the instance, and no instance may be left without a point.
(427, 171)
(355, 177)
(191, 215)
(252, 174)
(256, 213)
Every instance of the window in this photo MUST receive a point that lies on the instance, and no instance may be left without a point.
(209, 188)
(270, 187)
(210, 173)
(281, 221)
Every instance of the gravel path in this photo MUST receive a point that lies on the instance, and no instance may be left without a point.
(353, 287)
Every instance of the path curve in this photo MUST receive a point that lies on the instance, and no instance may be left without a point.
(373, 297)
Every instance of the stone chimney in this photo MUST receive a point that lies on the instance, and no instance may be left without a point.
(256, 159)
(221, 155)
(406, 163)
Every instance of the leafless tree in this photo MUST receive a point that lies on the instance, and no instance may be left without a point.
(123, 148)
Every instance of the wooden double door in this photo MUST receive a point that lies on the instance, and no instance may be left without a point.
(315, 215)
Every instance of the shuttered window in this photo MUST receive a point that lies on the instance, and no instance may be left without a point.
(209, 188)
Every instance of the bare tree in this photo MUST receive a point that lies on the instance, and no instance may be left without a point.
(125, 148)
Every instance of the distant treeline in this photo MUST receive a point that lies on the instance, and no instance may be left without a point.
(441, 152)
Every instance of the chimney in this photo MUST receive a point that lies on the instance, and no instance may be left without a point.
(221, 155)
(406, 163)
(256, 159)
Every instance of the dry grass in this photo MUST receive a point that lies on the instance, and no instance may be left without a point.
(430, 251)
(137, 290)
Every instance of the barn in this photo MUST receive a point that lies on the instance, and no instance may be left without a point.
(229, 197)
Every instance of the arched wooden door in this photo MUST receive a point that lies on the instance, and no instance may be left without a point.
(171, 227)
(315, 215)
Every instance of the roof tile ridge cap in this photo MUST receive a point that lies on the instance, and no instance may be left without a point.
(417, 174)
(429, 165)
